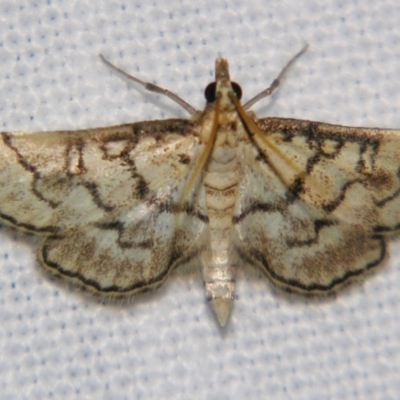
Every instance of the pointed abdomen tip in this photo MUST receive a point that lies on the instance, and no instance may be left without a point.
(222, 308)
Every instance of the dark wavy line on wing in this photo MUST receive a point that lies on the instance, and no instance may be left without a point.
(314, 287)
(36, 175)
(319, 224)
(29, 227)
(391, 197)
(176, 260)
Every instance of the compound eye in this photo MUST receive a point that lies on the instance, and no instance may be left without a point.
(237, 90)
(209, 92)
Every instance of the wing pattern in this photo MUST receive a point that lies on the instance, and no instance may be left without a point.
(104, 201)
(321, 218)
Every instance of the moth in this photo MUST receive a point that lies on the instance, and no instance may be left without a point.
(116, 209)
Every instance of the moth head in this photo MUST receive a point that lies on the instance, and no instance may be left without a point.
(222, 85)
(210, 92)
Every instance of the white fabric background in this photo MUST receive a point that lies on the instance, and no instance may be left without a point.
(58, 343)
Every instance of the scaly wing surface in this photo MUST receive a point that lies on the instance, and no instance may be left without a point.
(320, 214)
(104, 201)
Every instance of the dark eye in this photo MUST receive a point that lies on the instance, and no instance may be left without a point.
(209, 92)
(237, 90)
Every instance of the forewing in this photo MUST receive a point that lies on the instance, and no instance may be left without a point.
(107, 201)
(56, 181)
(317, 213)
